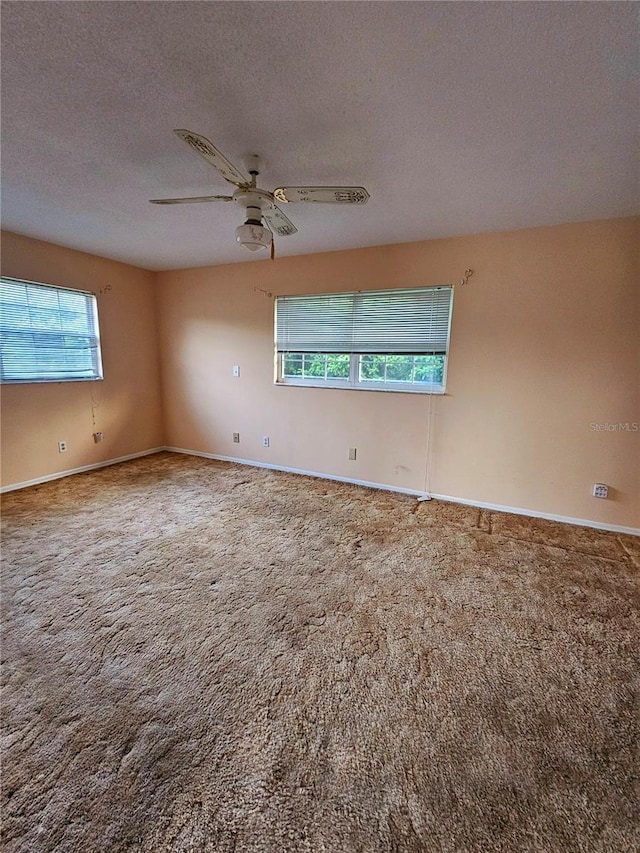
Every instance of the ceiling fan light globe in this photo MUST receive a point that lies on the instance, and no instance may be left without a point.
(253, 237)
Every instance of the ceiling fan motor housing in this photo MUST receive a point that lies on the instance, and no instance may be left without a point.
(252, 197)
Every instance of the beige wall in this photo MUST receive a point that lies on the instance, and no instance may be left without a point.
(126, 406)
(544, 343)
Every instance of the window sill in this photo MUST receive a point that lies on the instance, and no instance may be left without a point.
(57, 381)
(374, 386)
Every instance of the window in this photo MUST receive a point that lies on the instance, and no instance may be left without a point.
(47, 334)
(385, 340)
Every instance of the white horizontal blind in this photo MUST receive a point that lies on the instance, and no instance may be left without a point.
(383, 322)
(47, 334)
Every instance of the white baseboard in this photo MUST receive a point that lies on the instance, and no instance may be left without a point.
(531, 513)
(255, 464)
(60, 474)
(582, 522)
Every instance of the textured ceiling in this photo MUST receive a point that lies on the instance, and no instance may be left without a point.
(457, 117)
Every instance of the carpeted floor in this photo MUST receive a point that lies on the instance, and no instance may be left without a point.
(207, 657)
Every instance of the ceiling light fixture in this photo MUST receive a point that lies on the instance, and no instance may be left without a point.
(253, 235)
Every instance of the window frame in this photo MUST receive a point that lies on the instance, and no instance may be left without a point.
(91, 332)
(354, 382)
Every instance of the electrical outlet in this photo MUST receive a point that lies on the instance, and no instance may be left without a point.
(236, 438)
(600, 490)
(62, 447)
(98, 437)
(236, 370)
(352, 453)
(265, 441)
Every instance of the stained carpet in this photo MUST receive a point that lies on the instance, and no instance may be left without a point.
(200, 656)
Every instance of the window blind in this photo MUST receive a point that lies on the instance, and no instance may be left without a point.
(47, 334)
(383, 322)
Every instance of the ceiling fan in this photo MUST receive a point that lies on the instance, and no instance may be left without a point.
(259, 204)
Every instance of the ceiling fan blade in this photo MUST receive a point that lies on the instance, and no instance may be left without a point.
(214, 157)
(196, 199)
(278, 222)
(326, 195)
